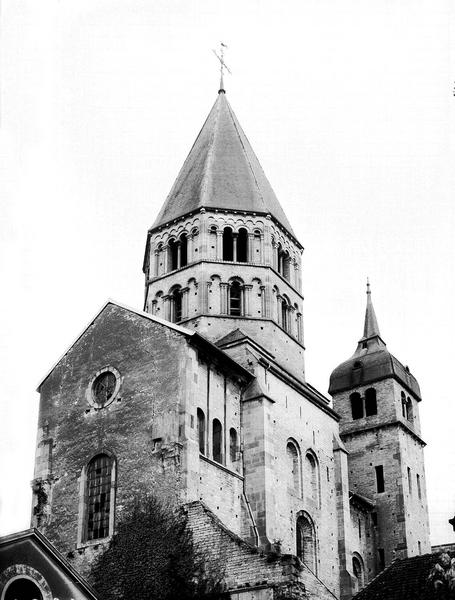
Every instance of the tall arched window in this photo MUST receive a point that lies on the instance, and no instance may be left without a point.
(228, 244)
(403, 404)
(173, 254)
(356, 405)
(232, 445)
(312, 476)
(409, 410)
(286, 265)
(183, 251)
(306, 542)
(285, 313)
(235, 299)
(201, 430)
(242, 245)
(358, 572)
(217, 441)
(371, 407)
(175, 299)
(99, 497)
(293, 458)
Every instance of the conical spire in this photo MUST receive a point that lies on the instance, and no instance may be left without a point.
(370, 328)
(221, 172)
(371, 340)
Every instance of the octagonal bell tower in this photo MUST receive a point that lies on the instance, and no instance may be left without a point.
(221, 256)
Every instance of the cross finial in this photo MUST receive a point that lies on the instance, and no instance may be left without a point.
(223, 65)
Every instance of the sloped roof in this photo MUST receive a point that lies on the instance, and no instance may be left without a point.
(188, 333)
(221, 171)
(36, 538)
(405, 579)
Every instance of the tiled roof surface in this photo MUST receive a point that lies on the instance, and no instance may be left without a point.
(221, 171)
(405, 579)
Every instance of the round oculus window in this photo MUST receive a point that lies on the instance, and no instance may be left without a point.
(104, 387)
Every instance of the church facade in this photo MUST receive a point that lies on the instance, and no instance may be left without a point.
(202, 399)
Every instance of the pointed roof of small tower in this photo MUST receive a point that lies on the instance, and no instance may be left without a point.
(371, 337)
(371, 361)
(221, 172)
(370, 328)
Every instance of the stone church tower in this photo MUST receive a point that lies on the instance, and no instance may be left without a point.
(221, 254)
(378, 401)
(202, 399)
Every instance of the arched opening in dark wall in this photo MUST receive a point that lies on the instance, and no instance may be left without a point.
(312, 476)
(228, 244)
(23, 589)
(358, 572)
(285, 309)
(201, 430)
(409, 410)
(217, 441)
(293, 466)
(242, 245)
(232, 445)
(176, 305)
(173, 255)
(306, 542)
(235, 299)
(356, 405)
(183, 250)
(371, 407)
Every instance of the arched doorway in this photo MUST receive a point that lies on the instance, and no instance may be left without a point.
(23, 589)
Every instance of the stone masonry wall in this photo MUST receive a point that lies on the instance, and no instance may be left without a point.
(245, 568)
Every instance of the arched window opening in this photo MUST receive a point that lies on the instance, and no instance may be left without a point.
(312, 477)
(201, 430)
(306, 542)
(286, 266)
(173, 254)
(235, 299)
(403, 404)
(176, 305)
(183, 251)
(409, 410)
(24, 589)
(217, 441)
(98, 497)
(356, 405)
(285, 309)
(232, 445)
(279, 258)
(242, 245)
(357, 570)
(228, 244)
(371, 407)
(293, 467)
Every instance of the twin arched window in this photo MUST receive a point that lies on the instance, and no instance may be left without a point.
(99, 497)
(178, 252)
(235, 245)
(363, 406)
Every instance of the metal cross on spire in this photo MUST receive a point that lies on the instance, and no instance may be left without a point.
(223, 65)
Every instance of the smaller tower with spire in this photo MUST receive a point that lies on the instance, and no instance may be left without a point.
(378, 401)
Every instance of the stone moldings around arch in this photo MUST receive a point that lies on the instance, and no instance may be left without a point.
(20, 571)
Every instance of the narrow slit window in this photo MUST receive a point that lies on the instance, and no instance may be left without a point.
(217, 441)
(379, 478)
(201, 430)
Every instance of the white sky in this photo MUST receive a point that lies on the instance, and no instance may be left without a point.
(349, 107)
